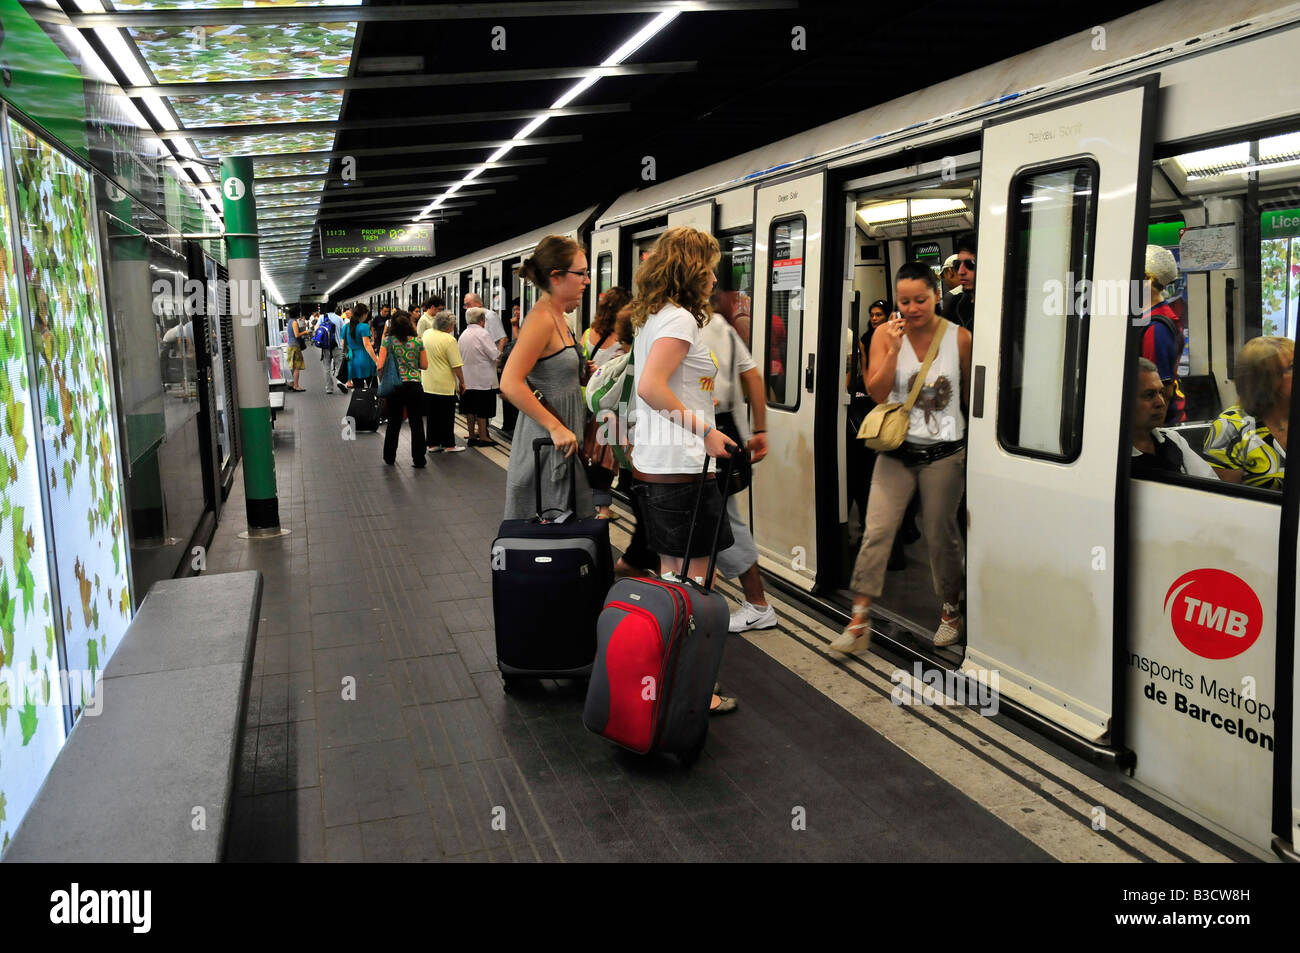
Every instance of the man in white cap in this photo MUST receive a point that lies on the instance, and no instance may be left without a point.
(1162, 341)
(951, 284)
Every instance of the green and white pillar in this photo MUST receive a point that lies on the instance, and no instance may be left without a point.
(261, 500)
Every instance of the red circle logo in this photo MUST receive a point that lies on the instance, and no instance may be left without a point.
(1214, 614)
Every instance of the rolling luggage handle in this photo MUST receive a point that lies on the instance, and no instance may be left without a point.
(538, 443)
(695, 515)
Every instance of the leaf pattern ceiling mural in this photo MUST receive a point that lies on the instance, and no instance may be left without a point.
(235, 52)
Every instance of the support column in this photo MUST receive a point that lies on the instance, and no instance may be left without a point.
(261, 499)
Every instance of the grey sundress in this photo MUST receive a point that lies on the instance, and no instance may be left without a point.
(556, 377)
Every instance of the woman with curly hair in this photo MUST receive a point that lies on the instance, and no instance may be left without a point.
(674, 427)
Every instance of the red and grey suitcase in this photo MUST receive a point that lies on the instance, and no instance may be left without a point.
(659, 646)
(550, 574)
(363, 408)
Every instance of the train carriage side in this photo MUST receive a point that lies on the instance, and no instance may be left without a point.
(1142, 616)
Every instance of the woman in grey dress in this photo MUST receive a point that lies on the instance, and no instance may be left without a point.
(546, 359)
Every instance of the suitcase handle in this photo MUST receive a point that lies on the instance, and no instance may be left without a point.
(722, 478)
(538, 443)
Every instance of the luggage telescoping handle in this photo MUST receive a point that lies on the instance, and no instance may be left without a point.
(538, 443)
(724, 477)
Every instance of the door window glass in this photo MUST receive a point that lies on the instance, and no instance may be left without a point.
(785, 311)
(1044, 329)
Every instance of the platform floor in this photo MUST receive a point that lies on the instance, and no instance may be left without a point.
(384, 583)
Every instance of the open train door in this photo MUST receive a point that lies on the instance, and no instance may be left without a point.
(788, 218)
(1063, 198)
(605, 273)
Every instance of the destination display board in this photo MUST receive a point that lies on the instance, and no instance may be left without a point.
(377, 241)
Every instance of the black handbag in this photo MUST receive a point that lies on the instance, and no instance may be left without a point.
(742, 470)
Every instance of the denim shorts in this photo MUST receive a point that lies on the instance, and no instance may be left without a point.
(667, 509)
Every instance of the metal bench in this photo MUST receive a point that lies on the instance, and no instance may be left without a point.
(151, 777)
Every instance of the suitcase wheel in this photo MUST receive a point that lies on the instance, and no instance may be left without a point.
(510, 683)
(692, 754)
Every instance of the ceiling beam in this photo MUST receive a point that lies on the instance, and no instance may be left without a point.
(412, 150)
(326, 177)
(400, 122)
(406, 81)
(305, 13)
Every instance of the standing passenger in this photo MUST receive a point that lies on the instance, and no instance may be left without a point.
(960, 308)
(674, 426)
(600, 344)
(404, 347)
(479, 402)
(546, 362)
(932, 455)
(738, 380)
(442, 382)
(359, 345)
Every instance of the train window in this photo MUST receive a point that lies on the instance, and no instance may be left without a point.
(785, 311)
(735, 288)
(1225, 236)
(604, 272)
(1041, 406)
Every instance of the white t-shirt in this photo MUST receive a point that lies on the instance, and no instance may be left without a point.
(660, 444)
(733, 360)
(495, 329)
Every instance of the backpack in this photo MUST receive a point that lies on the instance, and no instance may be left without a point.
(324, 337)
(609, 395)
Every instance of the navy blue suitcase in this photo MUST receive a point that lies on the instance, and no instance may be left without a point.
(550, 574)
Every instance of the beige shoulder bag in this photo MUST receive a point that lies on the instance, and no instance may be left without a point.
(886, 426)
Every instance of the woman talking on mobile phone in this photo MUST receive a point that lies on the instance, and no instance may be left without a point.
(673, 430)
(932, 456)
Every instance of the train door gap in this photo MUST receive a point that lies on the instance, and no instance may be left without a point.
(909, 220)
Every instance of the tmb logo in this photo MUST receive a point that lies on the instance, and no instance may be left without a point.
(1214, 614)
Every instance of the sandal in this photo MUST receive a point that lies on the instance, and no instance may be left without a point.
(949, 631)
(855, 638)
(726, 704)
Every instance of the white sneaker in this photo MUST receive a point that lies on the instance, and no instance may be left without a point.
(454, 450)
(750, 616)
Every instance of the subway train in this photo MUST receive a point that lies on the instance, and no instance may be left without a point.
(1147, 622)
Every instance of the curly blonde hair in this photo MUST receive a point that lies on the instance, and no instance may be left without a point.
(1258, 374)
(677, 272)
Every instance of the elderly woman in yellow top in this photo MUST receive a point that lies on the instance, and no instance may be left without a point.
(443, 380)
(1247, 443)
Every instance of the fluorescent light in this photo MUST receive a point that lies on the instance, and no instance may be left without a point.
(638, 39)
(154, 103)
(348, 277)
(123, 55)
(528, 130)
(576, 90)
(641, 38)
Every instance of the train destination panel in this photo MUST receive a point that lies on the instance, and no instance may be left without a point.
(385, 241)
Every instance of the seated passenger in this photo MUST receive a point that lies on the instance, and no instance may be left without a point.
(1162, 341)
(1247, 443)
(1156, 450)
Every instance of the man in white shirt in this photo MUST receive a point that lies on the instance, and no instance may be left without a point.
(738, 378)
(495, 329)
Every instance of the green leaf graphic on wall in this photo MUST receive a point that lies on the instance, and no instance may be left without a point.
(69, 320)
